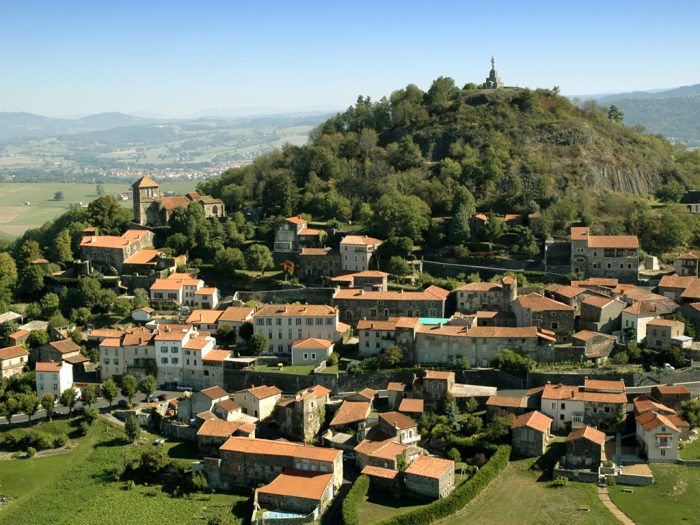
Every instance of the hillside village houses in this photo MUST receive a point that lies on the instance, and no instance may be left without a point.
(610, 256)
(53, 378)
(13, 359)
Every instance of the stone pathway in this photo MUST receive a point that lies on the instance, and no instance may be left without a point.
(605, 498)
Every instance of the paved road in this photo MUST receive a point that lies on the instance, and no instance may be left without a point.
(101, 404)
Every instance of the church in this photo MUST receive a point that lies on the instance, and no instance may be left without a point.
(152, 209)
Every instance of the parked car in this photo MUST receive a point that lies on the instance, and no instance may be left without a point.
(668, 367)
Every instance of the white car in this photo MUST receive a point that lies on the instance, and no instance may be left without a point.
(668, 367)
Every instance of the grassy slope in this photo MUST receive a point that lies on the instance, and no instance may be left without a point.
(516, 497)
(76, 488)
(674, 498)
(15, 218)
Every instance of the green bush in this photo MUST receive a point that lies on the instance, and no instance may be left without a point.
(355, 498)
(60, 441)
(459, 497)
(31, 452)
(560, 482)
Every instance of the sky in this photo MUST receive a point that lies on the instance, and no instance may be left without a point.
(176, 58)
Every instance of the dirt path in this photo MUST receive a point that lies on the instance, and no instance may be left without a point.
(605, 498)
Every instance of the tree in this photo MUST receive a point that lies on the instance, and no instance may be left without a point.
(58, 196)
(48, 402)
(395, 246)
(109, 391)
(454, 455)
(287, 268)
(179, 243)
(513, 363)
(132, 429)
(499, 427)
(57, 321)
(91, 415)
(460, 232)
(63, 250)
(615, 114)
(397, 266)
(68, 399)
(147, 386)
(32, 281)
(106, 214)
(6, 329)
(154, 460)
(398, 215)
(29, 404)
(672, 191)
(29, 251)
(141, 299)
(49, 304)
(448, 406)
(200, 481)
(673, 356)
(129, 387)
(259, 258)
(279, 194)
(471, 405)
(122, 307)
(89, 292)
(227, 260)
(392, 357)
(89, 395)
(100, 189)
(246, 330)
(526, 246)
(8, 272)
(471, 424)
(12, 407)
(258, 344)
(691, 412)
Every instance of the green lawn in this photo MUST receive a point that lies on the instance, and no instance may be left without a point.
(691, 450)
(15, 218)
(287, 369)
(379, 506)
(674, 498)
(516, 497)
(78, 488)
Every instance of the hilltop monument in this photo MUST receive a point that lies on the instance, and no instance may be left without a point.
(152, 209)
(493, 81)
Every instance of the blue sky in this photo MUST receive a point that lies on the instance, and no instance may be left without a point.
(177, 58)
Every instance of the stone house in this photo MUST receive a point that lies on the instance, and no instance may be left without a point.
(658, 437)
(688, 264)
(681, 289)
(601, 314)
(227, 409)
(569, 295)
(356, 252)
(369, 280)
(213, 367)
(671, 395)
(248, 462)
(382, 452)
(297, 492)
(430, 477)
(637, 316)
(498, 405)
(607, 256)
(311, 351)
(351, 414)
(13, 359)
(364, 395)
(598, 402)
(356, 304)
(292, 235)
(412, 407)
(584, 449)
(316, 263)
(536, 310)
(376, 336)
(596, 346)
(496, 297)
(109, 251)
(56, 351)
(201, 401)
(663, 333)
(531, 432)
(258, 401)
(298, 417)
(214, 432)
(396, 392)
(400, 427)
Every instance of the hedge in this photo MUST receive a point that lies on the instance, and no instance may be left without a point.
(353, 500)
(459, 497)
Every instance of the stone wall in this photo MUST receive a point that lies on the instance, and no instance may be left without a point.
(288, 295)
(178, 431)
(634, 480)
(645, 379)
(585, 476)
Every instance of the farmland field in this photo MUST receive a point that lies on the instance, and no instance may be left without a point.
(16, 218)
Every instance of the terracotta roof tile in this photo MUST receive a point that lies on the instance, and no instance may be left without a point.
(397, 420)
(11, 352)
(396, 387)
(296, 310)
(439, 374)
(48, 367)
(378, 472)
(644, 404)
(559, 391)
(312, 343)
(216, 355)
(204, 317)
(651, 420)
(298, 484)
(269, 447)
(535, 419)
(666, 390)
(296, 220)
(597, 301)
(591, 434)
(412, 406)
(615, 385)
(429, 467)
(479, 287)
(321, 391)
(363, 240)
(236, 314)
(263, 392)
(143, 257)
(507, 401)
(214, 392)
(218, 428)
(65, 346)
(351, 412)
(565, 291)
(540, 303)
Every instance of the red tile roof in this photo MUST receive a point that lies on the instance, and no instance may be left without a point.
(229, 405)
(597, 301)
(615, 385)
(48, 367)
(651, 420)
(269, 447)
(664, 322)
(351, 412)
(296, 220)
(439, 374)
(236, 314)
(65, 346)
(397, 420)
(429, 294)
(204, 317)
(217, 428)
(214, 392)
(643, 404)
(296, 310)
(666, 390)
(320, 390)
(429, 467)
(378, 472)
(565, 291)
(216, 355)
(143, 257)
(11, 352)
(263, 392)
(559, 391)
(298, 484)
(479, 287)
(360, 240)
(591, 434)
(535, 419)
(312, 343)
(540, 303)
(507, 401)
(412, 406)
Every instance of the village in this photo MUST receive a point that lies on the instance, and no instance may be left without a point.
(299, 392)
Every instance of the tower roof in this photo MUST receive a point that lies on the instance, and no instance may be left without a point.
(145, 182)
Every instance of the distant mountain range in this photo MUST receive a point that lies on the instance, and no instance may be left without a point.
(673, 113)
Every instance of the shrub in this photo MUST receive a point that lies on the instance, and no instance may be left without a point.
(200, 481)
(60, 441)
(84, 428)
(91, 414)
(459, 497)
(560, 482)
(31, 452)
(454, 455)
(353, 500)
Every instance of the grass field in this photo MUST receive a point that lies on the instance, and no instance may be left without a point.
(691, 450)
(674, 498)
(78, 488)
(15, 218)
(379, 506)
(518, 497)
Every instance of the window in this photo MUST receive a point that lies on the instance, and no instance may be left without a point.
(306, 357)
(313, 356)
(663, 452)
(173, 350)
(163, 360)
(174, 360)
(164, 350)
(607, 410)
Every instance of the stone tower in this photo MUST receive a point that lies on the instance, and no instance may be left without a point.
(146, 191)
(493, 81)
(510, 292)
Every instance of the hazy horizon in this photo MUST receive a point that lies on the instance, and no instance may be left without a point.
(175, 59)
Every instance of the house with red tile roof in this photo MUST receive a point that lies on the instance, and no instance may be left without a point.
(356, 304)
(531, 432)
(600, 313)
(412, 407)
(658, 437)
(376, 336)
(537, 310)
(356, 252)
(214, 432)
(235, 316)
(599, 403)
(299, 417)
(665, 333)
(110, 253)
(53, 377)
(317, 263)
(258, 401)
(350, 414)
(311, 351)
(56, 350)
(367, 280)
(671, 395)
(497, 297)
(585, 449)
(430, 477)
(607, 256)
(178, 288)
(13, 359)
(296, 492)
